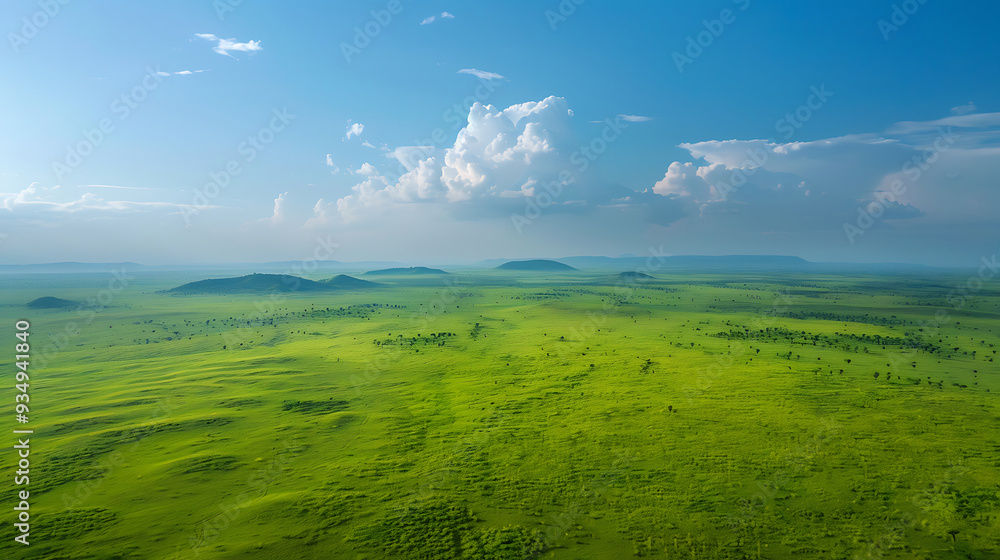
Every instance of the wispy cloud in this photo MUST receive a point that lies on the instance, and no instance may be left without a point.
(354, 129)
(969, 107)
(36, 200)
(226, 46)
(329, 162)
(635, 118)
(115, 187)
(182, 72)
(482, 74)
(431, 19)
(368, 144)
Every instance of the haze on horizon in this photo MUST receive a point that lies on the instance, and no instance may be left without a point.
(439, 132)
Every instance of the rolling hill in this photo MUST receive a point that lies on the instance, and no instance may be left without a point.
(345, 282)
(270, 283)
(49, 302)
(413, 270)
(540, 265)
(634, 275)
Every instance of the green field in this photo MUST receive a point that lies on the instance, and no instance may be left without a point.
(511, 415)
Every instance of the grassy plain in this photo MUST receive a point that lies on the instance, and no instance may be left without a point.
(503, 415)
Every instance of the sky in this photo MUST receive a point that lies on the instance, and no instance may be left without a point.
(434, 132)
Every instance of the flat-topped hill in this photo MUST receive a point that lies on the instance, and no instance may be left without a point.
(543, 265)
(413, 270)
(49, 302)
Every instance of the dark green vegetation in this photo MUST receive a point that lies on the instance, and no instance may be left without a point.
(413, 270)
(345, 282)
(630, 275)
(493, 415)
(49, 302)
(541, 265)
(270, 283)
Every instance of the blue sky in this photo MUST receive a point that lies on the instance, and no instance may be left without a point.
(603, 128)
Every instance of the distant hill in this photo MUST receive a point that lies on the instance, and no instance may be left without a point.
(269, 283)
(49, 302)
(69, 267)
(345, 282)
(253, 283)
(633, 275)
(413, 270)
(543, 265)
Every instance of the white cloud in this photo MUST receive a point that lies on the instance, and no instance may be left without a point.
(329, 162)
(969, 107)
(227, 46)
(181, 73)
(685, 180)
(354, 129)
(635, 118)
(482, 74)
(947, 168)
(978, 120)
(278, 215)
(368, 144)
(367, 169)
(495, 155)
(431, 19)
(37, 202)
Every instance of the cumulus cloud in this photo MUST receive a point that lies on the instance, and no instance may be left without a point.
(940, 169)
(499, 163)
(481, 74)
(498, 151)
(354, 129)
(278, 215)
(228, 46)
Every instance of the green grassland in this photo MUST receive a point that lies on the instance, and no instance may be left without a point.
(511, 415)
